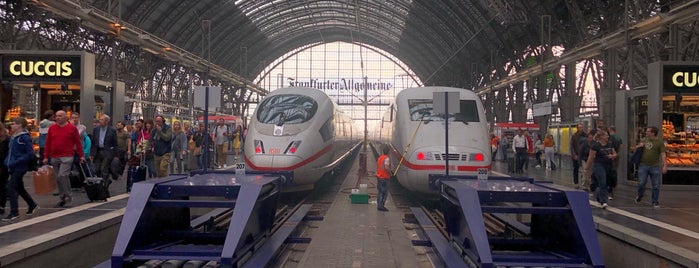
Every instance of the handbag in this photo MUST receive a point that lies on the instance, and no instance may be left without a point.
(636, 156)
(197, 151)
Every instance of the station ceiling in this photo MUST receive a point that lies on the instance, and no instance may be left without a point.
(441, 41)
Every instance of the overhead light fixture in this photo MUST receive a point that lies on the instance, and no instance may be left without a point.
(650, 22)
(151, 51)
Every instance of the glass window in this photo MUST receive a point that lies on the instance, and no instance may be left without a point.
(286, 109)
(422, 109)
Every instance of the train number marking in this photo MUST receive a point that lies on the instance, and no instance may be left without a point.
(482, 173)
(275, 151)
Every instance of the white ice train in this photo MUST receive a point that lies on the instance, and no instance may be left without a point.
(410, 126)
(301, 130)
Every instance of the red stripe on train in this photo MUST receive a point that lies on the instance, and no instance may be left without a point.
(300, 164)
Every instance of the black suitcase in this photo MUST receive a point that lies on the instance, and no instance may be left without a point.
(135, 174)
(96, 188)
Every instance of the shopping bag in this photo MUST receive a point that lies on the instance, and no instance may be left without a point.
(44, 180)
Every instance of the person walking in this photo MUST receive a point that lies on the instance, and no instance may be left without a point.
(44, 125)
(4, 174)
(104, 148)
(494, 142)
(602, 155)
(237, 136)
(17, 161)
(583, 155)
(383, 175)
(161, 139)
(575, 152)
(548, 151)
(179, 148)
(62, 142)
(199, 147)
(221, 136)
(519, 145)
(651, 165)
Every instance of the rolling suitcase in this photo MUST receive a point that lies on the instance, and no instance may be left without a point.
(96, 188)
(137, 172)
(511, 165)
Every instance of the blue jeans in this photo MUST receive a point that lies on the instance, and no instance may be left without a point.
(600, 172)
(15, 188)
(643, 173)
(382, 186)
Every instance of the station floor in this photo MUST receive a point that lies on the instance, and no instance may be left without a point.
(358, 235)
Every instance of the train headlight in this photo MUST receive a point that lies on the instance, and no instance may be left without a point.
(259, 147)
(293, 146)
(424, 156)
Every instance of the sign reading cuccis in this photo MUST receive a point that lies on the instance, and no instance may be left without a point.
(678, 78)
(40, 68)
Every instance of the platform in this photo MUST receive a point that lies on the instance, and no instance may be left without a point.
(352, 235)
(670, 231)
(358, 235)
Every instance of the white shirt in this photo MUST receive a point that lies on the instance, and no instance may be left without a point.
(519, 141)
(219, 138)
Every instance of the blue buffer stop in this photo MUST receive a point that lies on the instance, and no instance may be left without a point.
(513, 222)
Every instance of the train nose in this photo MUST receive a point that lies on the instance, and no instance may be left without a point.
(273, 162)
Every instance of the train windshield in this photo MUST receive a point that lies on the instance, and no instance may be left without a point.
(286, 109)
(421, 109)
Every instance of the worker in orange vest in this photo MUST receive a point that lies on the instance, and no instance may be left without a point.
(383, 174)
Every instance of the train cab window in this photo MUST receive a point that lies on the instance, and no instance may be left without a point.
(286, 109)
(421, 109)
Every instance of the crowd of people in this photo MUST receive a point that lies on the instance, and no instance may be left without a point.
(65, 144)
(596, 152)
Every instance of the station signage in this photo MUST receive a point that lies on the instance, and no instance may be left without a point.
(54, 68)
(678, 78)
(349, 84)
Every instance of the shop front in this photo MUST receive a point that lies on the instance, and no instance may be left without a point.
(34, 82)
(671, 103)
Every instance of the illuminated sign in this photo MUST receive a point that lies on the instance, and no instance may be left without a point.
(40, 68)
(680, 78)
(341, 84)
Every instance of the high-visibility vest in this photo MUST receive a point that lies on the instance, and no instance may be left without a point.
(381, 173)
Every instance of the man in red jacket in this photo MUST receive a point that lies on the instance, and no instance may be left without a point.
(62, 142)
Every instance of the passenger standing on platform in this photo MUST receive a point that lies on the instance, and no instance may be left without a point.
(602, 155)
(17, 161)
(179, 148)
(104, 148)
(519, 145)
(4, 174)
(236, 140)
(504, 145)
(383, 175)
(575, 152)
(494, 143)
(43, 130)
(582, 155)
(530, 149)
(62, 142)
(161, 139)
(135, 132)
(615, 140)
(548, 151)
(123, 152)
(147, 146)
(538, 151)
(652, 163)
(199, 148)
(221, 136)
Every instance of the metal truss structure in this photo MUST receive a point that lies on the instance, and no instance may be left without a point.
(502, 49)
